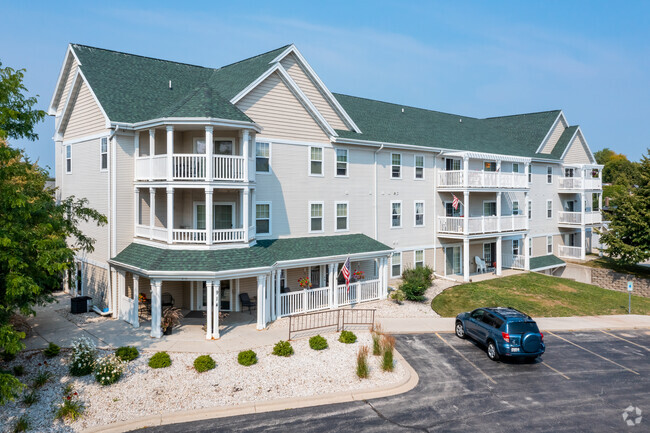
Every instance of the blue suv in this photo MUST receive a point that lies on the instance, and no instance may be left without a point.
(505, 331)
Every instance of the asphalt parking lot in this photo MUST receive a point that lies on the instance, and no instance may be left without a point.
(584, 382)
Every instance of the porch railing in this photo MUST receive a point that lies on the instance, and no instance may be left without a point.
(580, 183)
(228, 235)
(159, 233)
(569, 252)
(337, 319)
(477, 225)
(228, 167)
(189, 236)
(190, 166)
(576, 217)
(482, 179)
(513, 261)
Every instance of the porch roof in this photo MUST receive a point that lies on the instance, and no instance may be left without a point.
(264, 254)
(545, 262)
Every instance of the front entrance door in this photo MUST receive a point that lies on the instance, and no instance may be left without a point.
(223, 216)
(314, 277)
(224, 287)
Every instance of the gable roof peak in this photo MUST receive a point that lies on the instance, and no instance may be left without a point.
(74, 45)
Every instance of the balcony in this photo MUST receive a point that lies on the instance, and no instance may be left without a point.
(579, 183)
(481, 225)
(568, 252)
(575, 218)
(481, 179)
(190, 167)
(192, 236)
(513, 261)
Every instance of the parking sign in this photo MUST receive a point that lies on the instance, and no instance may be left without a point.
(629, 286)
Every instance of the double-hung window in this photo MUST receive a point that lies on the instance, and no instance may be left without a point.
(396, 265)
(396, 165)
(342, 162)
(419, 258)
(419, 214)
(263, 218)
(489, 208)
(515, 207)
(262, 157)
(515, 247)
(396, 214)
(452, 164)
(530, 209)
(530, 247)
(419, 167)
(549, 244)
(515, 167)
(530, 173)
(103, 154)
(68, 159)
(549, 209)
(316, 217)
(315, 161)
(549, 174)
(342, 216)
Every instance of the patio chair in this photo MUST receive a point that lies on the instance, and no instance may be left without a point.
(480, 264)
(246, 302)
(167, 300)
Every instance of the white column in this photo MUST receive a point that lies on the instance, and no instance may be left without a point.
(244, 213)
(208, 215)
(526, 210)
(527, 251)
(136, 152)
(465, 183)
(278, 293)
(499, 254)
(582, 222)
(208, 305)
(170, 214)
(136, 300)
(156, 307)
(499, 211)
(261, 287)
(152, 150)
(526, 168)
(217, 307)
(252, 210)
(209, 150)
(152, 211)
(244, 145)
(237, 300)
(267, 300)
(600, 202)
(582, 242)
(272, 296)
(332, 285)
(121, 291)
(466, 213)
(136, 209)
(170, 153)
(465, 259)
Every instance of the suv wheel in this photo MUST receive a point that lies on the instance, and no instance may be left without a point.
(492, 351)
(460, 331)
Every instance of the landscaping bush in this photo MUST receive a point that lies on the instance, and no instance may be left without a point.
(160, 360)
(397, 296)
(22, 424)
(362, 362)
(387, 346)
(42, 378)
(317, 342)
(204, 363)
(29, 398)
(109, 369)
(283, 348)
(52, 350)
(247, 357)
(415, 283)
(71, 409)
(376, 340)
(18, 370)
(7, 356)
(83, 357)
(127, 353)
(347, 337)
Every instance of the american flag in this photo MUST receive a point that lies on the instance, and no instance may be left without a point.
(454, 203)
(346, 273)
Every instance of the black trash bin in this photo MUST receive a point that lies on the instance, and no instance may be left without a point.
(79, 304)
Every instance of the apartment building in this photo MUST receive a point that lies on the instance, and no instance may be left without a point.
(299, 179)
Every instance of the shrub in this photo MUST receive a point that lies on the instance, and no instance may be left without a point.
(415, 283)
(22, 424)
(109, 369)
(127, 353)
(160, 360)
(83, 357)
(18, 370)
(347, 337)
(52, 350)
(283, 348)
(387, 345)
(317, 342)
(204, 363)
(71, 409)
(7, 356)
(376, 340)
(362, 362)
(397, 296)
(69, 387)
(42, 378)
(30, 398)
(247, 357)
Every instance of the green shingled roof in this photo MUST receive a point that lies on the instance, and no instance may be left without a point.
(264, 253)
(542, 262)
(563, 141)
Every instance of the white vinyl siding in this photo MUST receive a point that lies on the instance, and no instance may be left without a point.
(554, 137)
(315, 161)
(84, 117)
(577, 153)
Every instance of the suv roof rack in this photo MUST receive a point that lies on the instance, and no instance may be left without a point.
(521, 312)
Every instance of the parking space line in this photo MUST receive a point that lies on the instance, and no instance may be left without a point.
(594, 353)
(627, 341)
(557, 371)
(465, 358)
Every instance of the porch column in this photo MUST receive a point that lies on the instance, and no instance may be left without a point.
(244, 146)
(170, 214)
(136, 209)
(217, 306)
(583, 238)
(332, 280)
(170, 153)
(136, 152)
(527, 251)
(261, 287)
(208, 305)
(466, 213)
(121, 291)
(267, 299)
(499, 254)
(152, 211)
(583, 205)
(209, 151)
(136, 300)
(253, 209)
(152, 150)
(466, 260)
(526, 168)
(208, 215)
(526, 210)
(156, 307)
(272, 296)
(600, 202)
(244, 212)
(499, 211)
(278, 293)
(465, 182)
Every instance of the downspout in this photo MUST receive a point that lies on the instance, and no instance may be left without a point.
(376, 198)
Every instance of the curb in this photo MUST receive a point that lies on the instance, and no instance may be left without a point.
(408, 383)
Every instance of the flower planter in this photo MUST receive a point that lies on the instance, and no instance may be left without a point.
(168, 330)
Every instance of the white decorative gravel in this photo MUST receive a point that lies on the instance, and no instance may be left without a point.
(408, 309)
(143, 391)
(81, 318)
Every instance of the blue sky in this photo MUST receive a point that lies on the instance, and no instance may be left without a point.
(476, 58)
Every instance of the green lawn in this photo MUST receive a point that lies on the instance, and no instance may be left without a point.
(607, 263)
(538, 295)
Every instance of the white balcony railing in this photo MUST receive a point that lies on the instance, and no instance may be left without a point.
(228, 235)
(513, 261)
(227, 167)
(188, 236)
(481, 179)
(190, 166)
(576, 217)
(580, 183)
(478, 225)
(159, 233)
(569, 252)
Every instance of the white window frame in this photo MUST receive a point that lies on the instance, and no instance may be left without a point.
(513, 207)
(269, 157)
(415, 214)
(322, 165)
(491, 260)
(393, 165)
(214, 203)
(491, 162)
(415, 258)
(460, 163)
(515, 164)
(549, 174)
(67, 158)
(415, 166)
(270, 218)
(483, 207)
(401, 214)
(347, 216)
(518, 247)
(530, 173)
(549, 244)
(336, 162)
(461, 209)
(103, 153)
(530, 209)
(321, 217)
(549, 209)
(392, 264)
(530, 247)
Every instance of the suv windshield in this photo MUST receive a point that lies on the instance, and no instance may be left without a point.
(522, 327)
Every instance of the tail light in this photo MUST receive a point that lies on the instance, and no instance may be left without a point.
(542, 335)
(506, 337)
